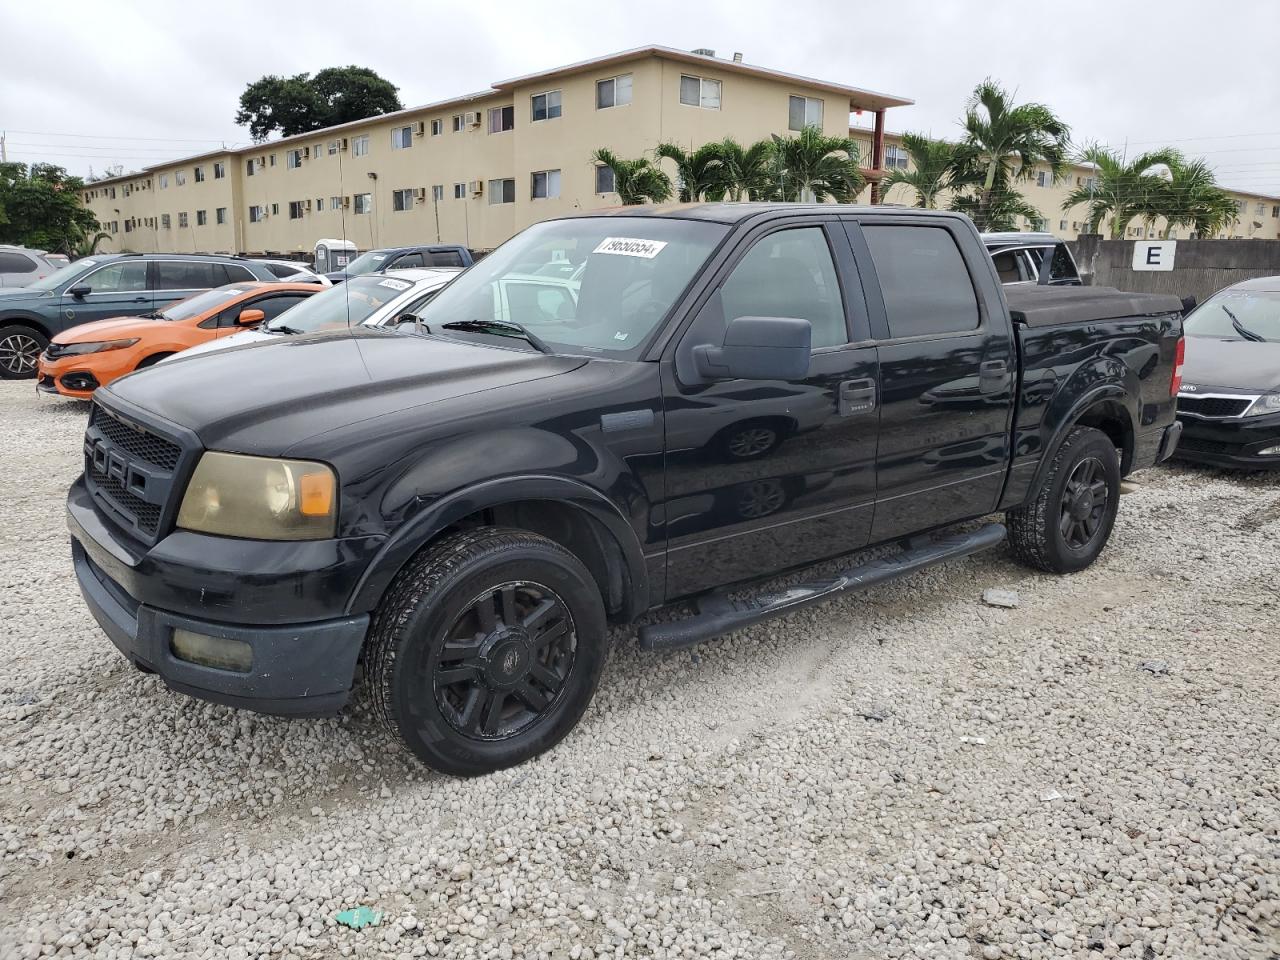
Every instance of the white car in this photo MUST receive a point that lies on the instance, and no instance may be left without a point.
(376, 299)
(294, 272)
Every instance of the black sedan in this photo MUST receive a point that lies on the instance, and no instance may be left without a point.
(1229, 402)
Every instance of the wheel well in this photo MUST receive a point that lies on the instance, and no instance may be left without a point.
(29, 324)
(575, 530)
(153, 359)
(1113, 420)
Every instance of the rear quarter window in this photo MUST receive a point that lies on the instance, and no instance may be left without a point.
(926, 286)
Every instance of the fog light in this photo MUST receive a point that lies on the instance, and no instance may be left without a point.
(209, 651)
(1270, 452)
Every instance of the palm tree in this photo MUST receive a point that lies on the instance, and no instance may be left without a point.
(1003, 211)
(749, 172)
(1004, 142)
(1191, 197)
(1122, 190)
(815, 167)
(635, 181)
(701, 172)
(85, 245)
(1212, 213)
(932, 163)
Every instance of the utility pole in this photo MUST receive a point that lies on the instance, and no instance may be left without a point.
(4, 153)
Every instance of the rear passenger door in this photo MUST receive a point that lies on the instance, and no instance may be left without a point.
(762, 475)
(947, 370)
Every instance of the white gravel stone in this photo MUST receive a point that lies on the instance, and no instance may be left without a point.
(808, 788)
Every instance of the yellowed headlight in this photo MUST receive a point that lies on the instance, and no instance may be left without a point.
(260, 498)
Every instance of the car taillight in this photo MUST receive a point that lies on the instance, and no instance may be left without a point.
(1179, 355)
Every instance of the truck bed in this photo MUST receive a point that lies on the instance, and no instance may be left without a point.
(1036, 306)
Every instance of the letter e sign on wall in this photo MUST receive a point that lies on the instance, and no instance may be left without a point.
(1153, 254)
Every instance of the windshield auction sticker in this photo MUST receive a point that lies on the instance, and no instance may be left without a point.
(631, 247)
(395, 284)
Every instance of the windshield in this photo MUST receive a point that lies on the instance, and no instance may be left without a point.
(626, 273)
(351, 303)
(1257, 311)
(366, 263)
(59, 277)
(201, 303)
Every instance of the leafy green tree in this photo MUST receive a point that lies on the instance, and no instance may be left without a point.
(1003, 209)
(814, 167)
(41, 206)
(1004, 142)
(932, 165)
(302, 103)
(1123, 190)
(635, 181)
(1192, 198)
(701, 172)
(749, 173)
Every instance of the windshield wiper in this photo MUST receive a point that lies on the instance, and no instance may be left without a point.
(499, 328)
(1241, 328)
(283, 328)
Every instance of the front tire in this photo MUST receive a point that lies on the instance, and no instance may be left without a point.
(20, 348)
(486, 650)
(1068, 520)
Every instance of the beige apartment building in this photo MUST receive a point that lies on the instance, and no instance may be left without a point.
(471, 170)
(1259, 216)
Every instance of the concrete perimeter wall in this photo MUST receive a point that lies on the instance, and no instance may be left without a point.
(1200, 268)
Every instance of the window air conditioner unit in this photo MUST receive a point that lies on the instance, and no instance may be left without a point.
(419, 193)
(419, 128)
(306, 153)
(308, 206)
(472, 117)
(346, 202)
(475, 187)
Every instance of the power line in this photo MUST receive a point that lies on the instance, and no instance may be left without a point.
(94, 136)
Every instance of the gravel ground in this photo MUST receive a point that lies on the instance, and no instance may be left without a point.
(906, 773)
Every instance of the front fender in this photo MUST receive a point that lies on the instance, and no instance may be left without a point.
(426, 525)
(27, 318)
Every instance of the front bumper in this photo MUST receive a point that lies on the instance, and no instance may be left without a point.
(65, 377)
(303, 653)
(1233, 443)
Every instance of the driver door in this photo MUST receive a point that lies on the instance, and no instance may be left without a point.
(116, 289)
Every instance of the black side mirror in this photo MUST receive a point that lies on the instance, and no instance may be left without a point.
(1188, 304)
(758, 348)
(80, 290)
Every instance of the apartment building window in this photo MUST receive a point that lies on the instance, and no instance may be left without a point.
(275, 209)
(604, 179)
(502, 191)
(437, 127)
(220, 215)
(257, 213)
(335, 203)
(248, 168)
(457, 123)
(895, 157)
(401, 200)
(182, 219)
(199, 174)
(128, 226)
(546, 184)
(1042, 178)
(273, 159)
(1242, 206)
(360, 146)
(364, 203)
(699, 92)
(219, 170)
(1062, 225)
(164, 181)
(614, 92)
(1275, 211)
(319, 204)
(437, 192)
(402, 138)
(202, 218)
(295, 209)
(293, 159)
(459, 191)
(317, 151)
(502, 119)
(1262, 208)
(546, 106)
(179, 178)
(166, 222)
(804, 112)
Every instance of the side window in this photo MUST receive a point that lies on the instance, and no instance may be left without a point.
(446, 258)
(1006, 262)
(125, 277)
(274, 306)
(174, 275)
(408, 260)
(1062, 267)
(789, 274)
(16, 263)
(926, 286)
(238, 274)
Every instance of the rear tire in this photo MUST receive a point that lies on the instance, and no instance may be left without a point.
(486, 650)
(1068, 519)
(20, 347)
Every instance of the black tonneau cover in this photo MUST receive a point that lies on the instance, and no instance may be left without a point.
(1038, 306)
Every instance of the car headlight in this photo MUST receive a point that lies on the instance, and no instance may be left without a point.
(100, 346)
(1267, 403)
(260, 498)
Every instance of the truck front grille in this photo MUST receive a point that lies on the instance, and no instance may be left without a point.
(145, 446)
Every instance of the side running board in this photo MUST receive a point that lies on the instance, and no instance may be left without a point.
(718, 613)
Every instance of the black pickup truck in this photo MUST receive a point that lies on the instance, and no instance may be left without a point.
(461, 503)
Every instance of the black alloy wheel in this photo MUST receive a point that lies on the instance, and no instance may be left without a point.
(19, 350)
(1084, 503)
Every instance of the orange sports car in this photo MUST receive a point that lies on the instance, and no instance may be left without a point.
(91, 355)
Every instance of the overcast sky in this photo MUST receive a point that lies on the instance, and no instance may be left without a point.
(139, 83)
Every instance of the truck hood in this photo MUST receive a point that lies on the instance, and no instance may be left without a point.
(267, 397)
(1238, 364)
(117, 328)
